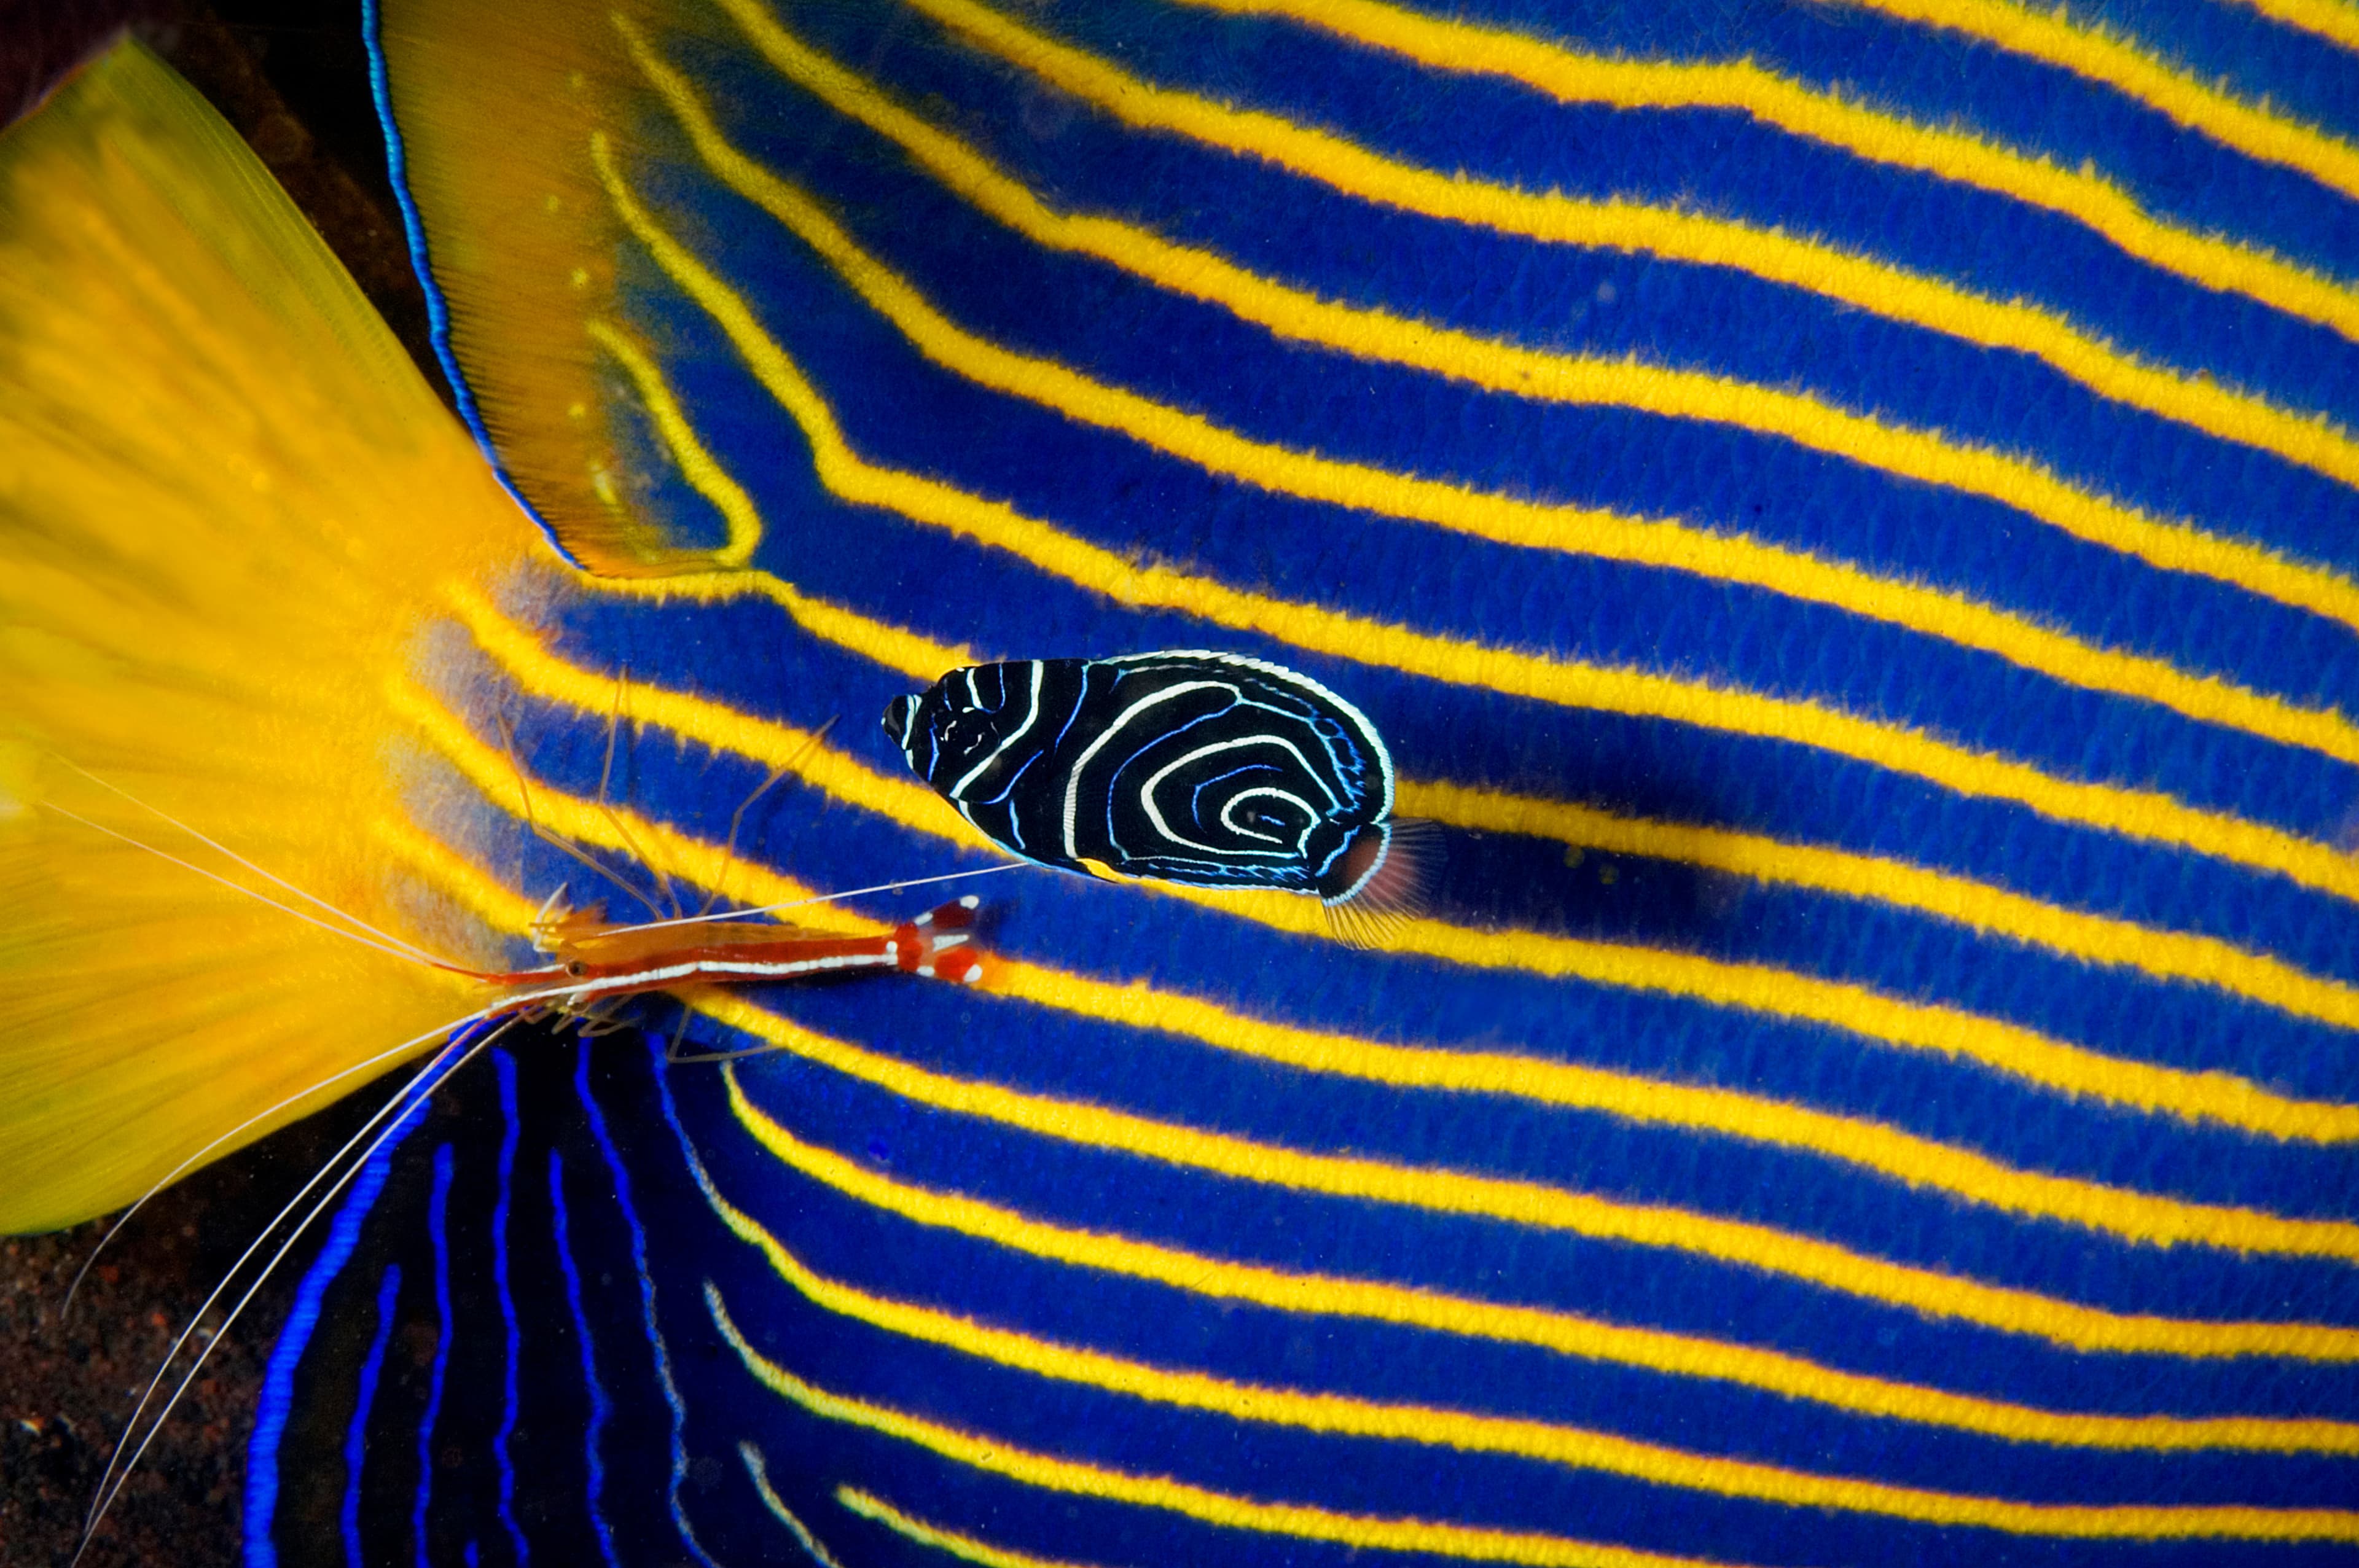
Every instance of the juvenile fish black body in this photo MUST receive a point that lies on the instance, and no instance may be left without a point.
(1203, 768)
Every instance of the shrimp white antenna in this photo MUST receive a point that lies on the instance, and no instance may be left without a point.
(822, 898)
(566, 847)
(264, 872)
(402, 951)
(175, 1174)
(392, 1104)
(375, 1131)
(737, 817)
(402, 1101)
(515, 1005)
(391, 947)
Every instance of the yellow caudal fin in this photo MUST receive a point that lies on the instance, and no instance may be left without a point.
(227, 503)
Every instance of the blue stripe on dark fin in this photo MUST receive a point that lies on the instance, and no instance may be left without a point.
(591, 1428)
(389, 1301)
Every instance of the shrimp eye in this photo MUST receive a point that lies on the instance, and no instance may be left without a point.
(577, 968)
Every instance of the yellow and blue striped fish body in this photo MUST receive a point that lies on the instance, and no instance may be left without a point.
(1843, 515)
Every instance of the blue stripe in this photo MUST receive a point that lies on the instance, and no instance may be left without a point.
(438, 1236)
(1316, 1234)
(1922, 74)
(1565, 297)
(278, 1396)
(2256, 58)
(898, 408)
(1721, 477)
(602, 1404)
(1633, 766)
(598, 1129)
(504, 1063)
(388, 1298)
(1163, 1325)
(1063, 923)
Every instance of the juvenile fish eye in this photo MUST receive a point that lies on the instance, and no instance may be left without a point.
(1207, 769)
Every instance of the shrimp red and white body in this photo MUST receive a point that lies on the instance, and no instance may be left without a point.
(594, 962)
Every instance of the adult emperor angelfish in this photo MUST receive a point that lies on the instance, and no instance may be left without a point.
(1845, 516)
(1202, 768)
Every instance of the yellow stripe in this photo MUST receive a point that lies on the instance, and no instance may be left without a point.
(1564, 1333)
(2196, 400)
(2022, 1052)
(764, 742)
(1504, 367)
(1518, 1437)
(442, 868)
(2151, 952)
(2082, 195)
(1307, 476)
(697, 465)
(1543, 1207)
(1514, 1202)
(965, 1548)
(1760, 988)
(914, 654)
(1918, 1162)
(2091, 53)
(1862, 282)
(2133, 1215)
(1561, 1332)
(2336, 23)
(663, 847)
(1308, 1292)
(2135, 813)
(994, 1456)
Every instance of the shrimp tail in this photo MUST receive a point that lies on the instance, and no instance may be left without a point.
(935, 943)
(227, 501)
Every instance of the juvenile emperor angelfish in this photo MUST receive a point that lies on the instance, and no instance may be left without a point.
(1193, 767)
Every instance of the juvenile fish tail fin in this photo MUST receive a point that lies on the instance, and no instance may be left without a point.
(227, 501)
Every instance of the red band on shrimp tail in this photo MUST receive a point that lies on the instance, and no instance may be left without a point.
(936, 943)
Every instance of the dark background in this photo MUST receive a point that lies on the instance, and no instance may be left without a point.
(292, 76)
